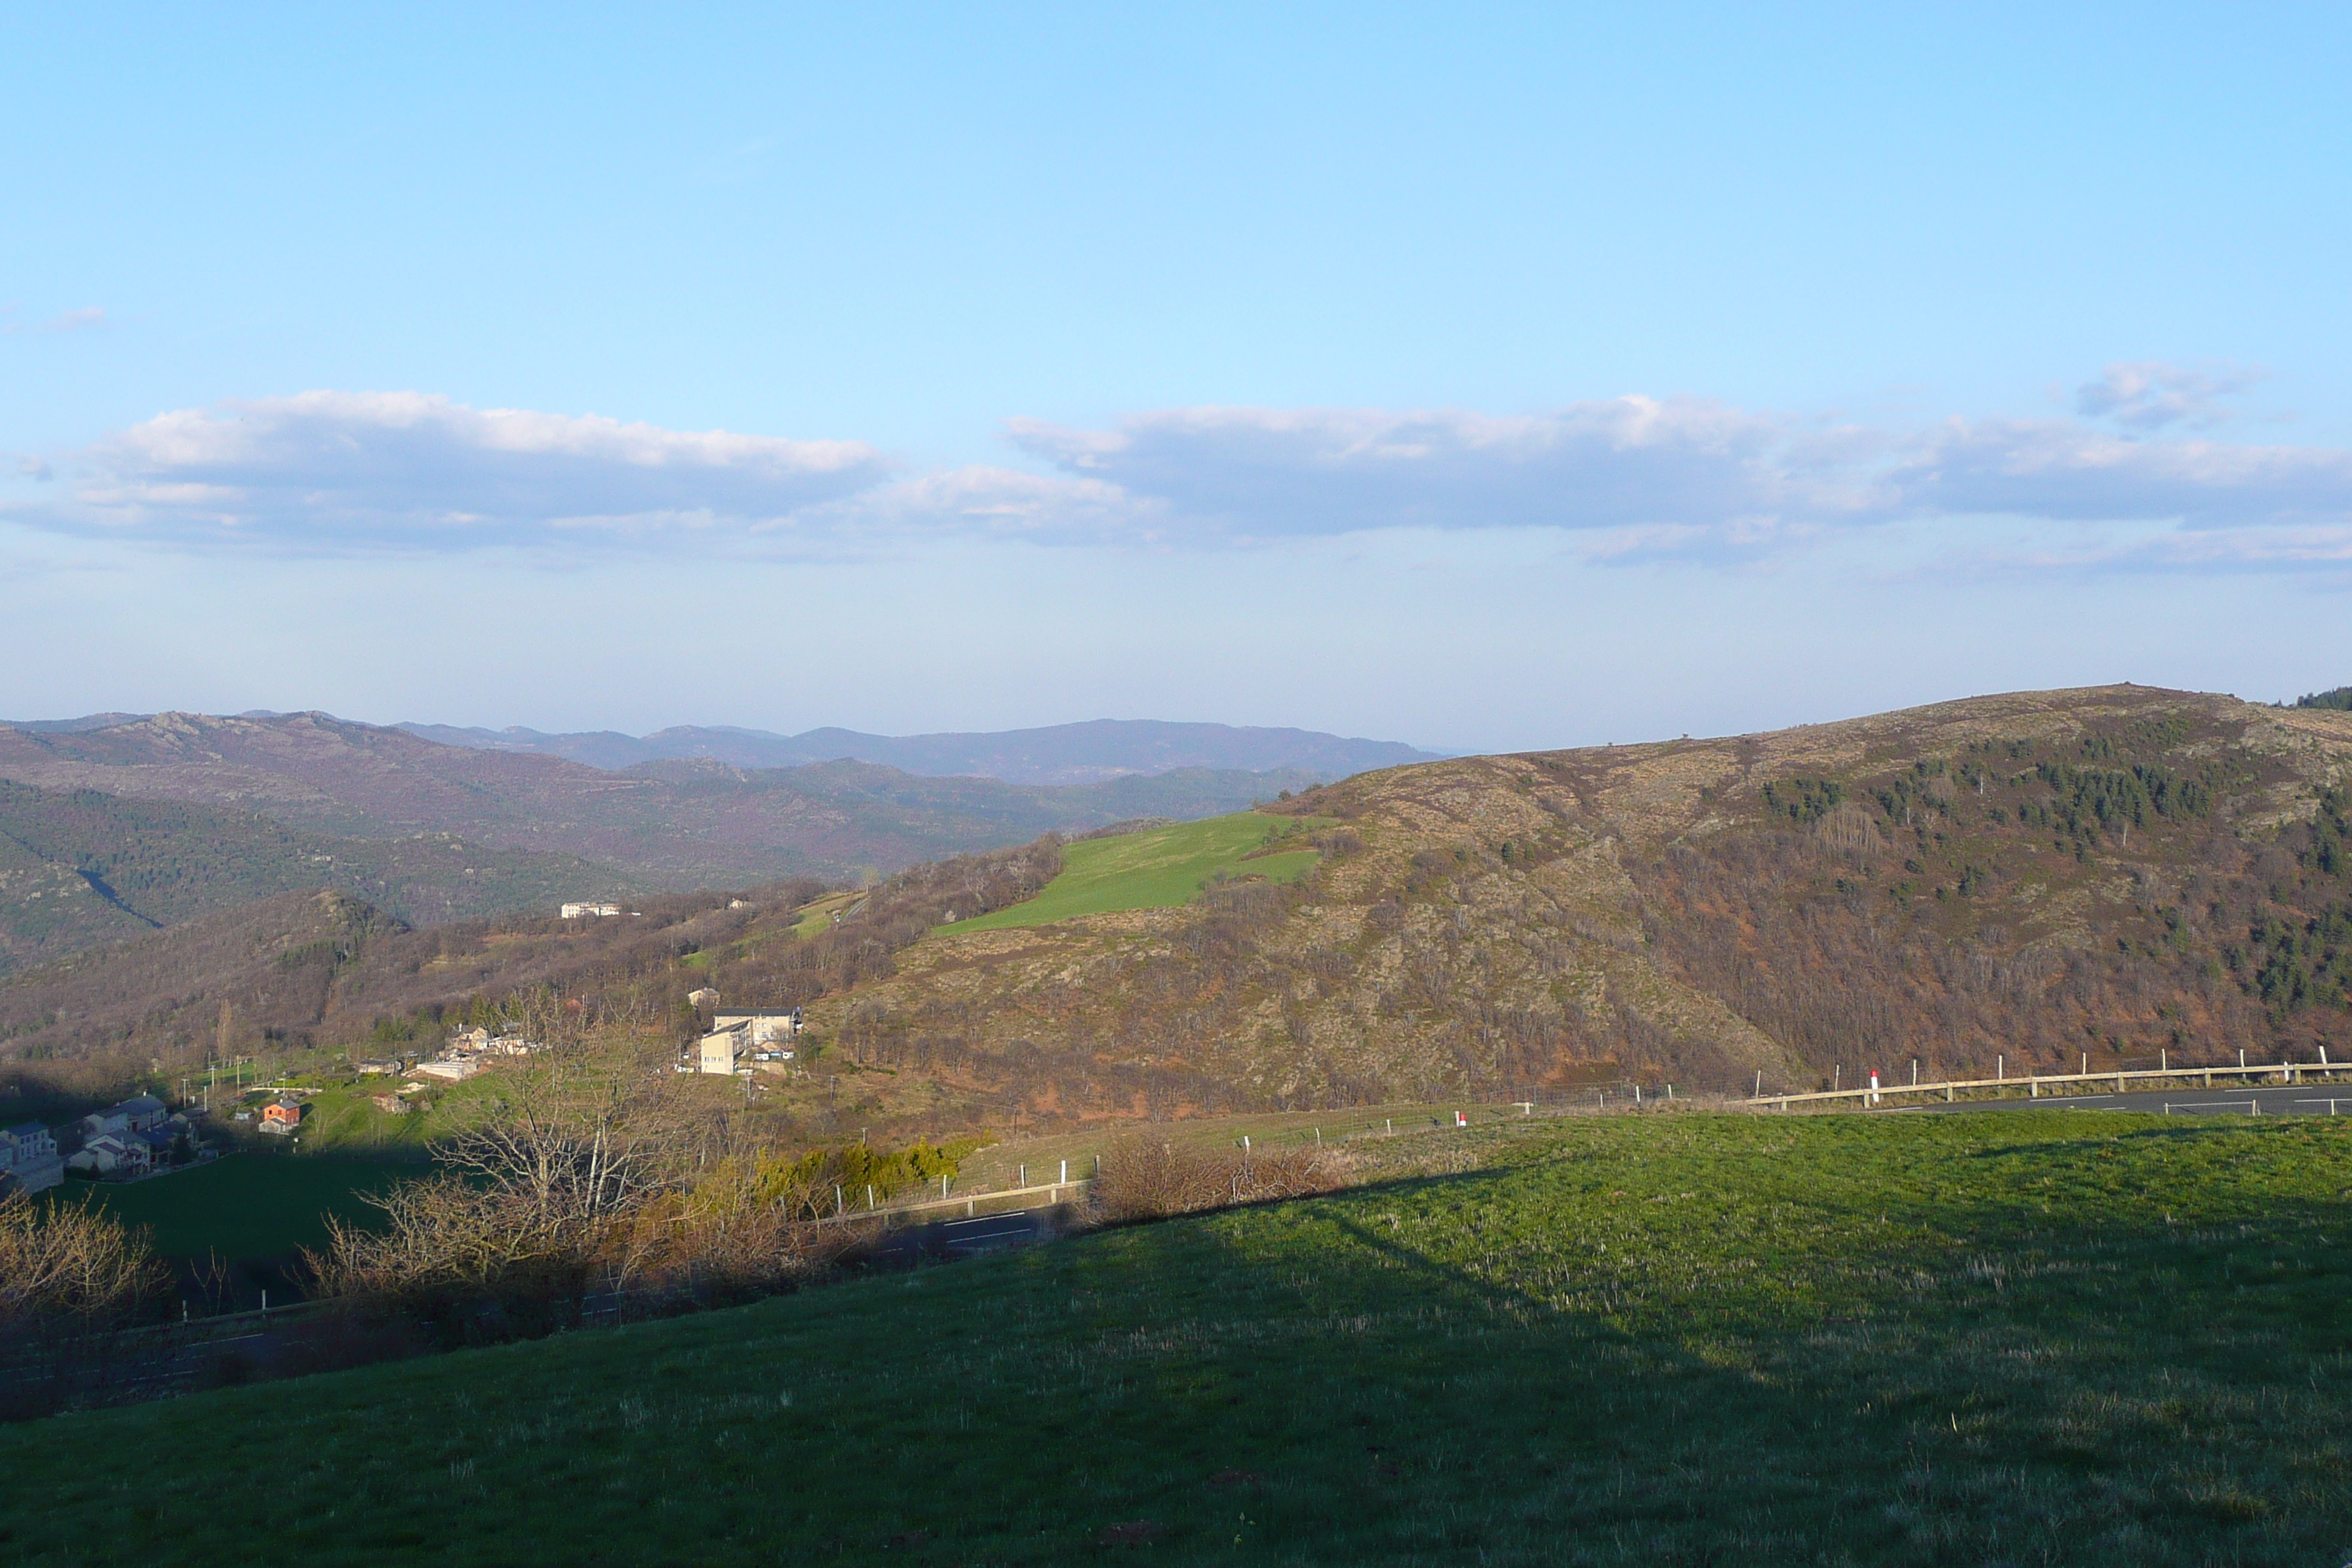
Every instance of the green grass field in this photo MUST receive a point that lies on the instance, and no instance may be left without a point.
(1156, 869)
(343, 1120)
(999, 1165)
(817, 915)
(247, 1206)
(2046, 1337)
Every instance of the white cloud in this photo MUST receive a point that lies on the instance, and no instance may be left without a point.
(336, 470)
(89, 318)
(1637, 478)
(2149, 394)
(1626, 463)
(1622, 480)
(2062, 470)
(996, 502)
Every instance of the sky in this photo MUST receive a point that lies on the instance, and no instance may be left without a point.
(1484, 377)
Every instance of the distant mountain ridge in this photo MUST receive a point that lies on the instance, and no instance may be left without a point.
(1086, 753)
(692, 822)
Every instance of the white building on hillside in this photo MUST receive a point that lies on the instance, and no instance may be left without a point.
(768, 1025)
(575, 911)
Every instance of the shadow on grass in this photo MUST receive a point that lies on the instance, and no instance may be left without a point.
(1721, 1343)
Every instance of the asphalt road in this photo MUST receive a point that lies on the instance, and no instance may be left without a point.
(2280, 1099)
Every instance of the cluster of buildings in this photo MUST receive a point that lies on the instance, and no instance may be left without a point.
(585, 912)
(132, 1138)
(738, 1039)
(462, 1055)
(126, 1139)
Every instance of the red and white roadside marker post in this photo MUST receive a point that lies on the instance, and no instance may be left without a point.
(1461, 1119)
(1874, 1086)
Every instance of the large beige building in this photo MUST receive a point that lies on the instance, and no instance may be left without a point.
(767, 1026)
(722, 1048)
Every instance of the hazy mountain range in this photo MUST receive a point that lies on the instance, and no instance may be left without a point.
(1086, 753)
(1056, 754)
(681, 823)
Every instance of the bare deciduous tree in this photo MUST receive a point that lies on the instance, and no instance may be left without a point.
(69, 1260)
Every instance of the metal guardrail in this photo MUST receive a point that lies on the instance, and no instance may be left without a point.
(2034, 1083)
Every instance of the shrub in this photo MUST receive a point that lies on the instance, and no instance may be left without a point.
(1147, 1178)
(70, 1261)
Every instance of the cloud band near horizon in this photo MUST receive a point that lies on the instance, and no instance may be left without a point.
(335, 472)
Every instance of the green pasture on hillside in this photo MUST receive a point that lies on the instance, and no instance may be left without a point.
(817, 915)
(343, 1120)
(1157, 869)
(2042, 1337)
(245, 1206)
(1372, 1131)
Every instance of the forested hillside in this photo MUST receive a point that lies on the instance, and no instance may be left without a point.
(2114, 872)
(80, 869)
(2108, 873)
(676, 823)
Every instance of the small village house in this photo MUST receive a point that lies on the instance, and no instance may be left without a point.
(114, 1154)
(282, 1117)
(139, 1113)
(29, 1161)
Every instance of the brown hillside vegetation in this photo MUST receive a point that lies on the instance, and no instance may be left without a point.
(678, 823)
(2113, 871)
(285, 977)
(80, 869)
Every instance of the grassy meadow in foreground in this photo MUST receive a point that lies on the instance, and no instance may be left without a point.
(1157, 868)
(2047, 1336)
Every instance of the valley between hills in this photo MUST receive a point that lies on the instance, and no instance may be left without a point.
(1684, 1331)
(676, 822)
(2098, 875)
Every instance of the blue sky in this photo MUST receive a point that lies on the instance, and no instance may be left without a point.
(1482, 378)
